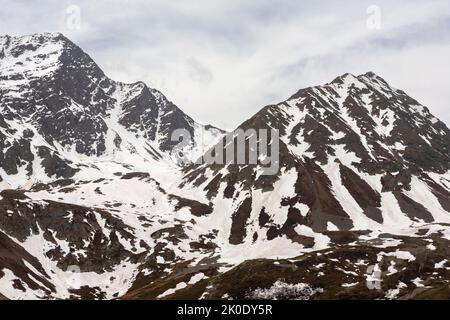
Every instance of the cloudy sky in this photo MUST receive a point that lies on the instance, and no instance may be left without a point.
(222, 60)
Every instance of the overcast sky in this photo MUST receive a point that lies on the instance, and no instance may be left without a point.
(221, 61)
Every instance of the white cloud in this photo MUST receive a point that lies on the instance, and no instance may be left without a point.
(221, 61)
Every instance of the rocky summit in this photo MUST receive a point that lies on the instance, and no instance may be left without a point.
(95, 204)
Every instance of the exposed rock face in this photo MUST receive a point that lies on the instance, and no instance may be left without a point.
(93, 204)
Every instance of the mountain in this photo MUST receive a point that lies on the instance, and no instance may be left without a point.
(62, 116)
(94, 205)
(354, 153)
(364, 180)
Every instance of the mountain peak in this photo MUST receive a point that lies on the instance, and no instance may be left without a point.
(364, 115)
(33, 57)
(30, 49)
(56, 88)
(369, 74)
(372, 76)
(350, 78)
(33, 40)
(346, 79)
(38, 35)
(94, 165)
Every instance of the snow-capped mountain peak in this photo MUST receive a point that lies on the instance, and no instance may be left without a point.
(30, 57)
(353, 152)
(61, 115)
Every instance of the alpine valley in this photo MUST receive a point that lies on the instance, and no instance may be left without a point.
(94, 203)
